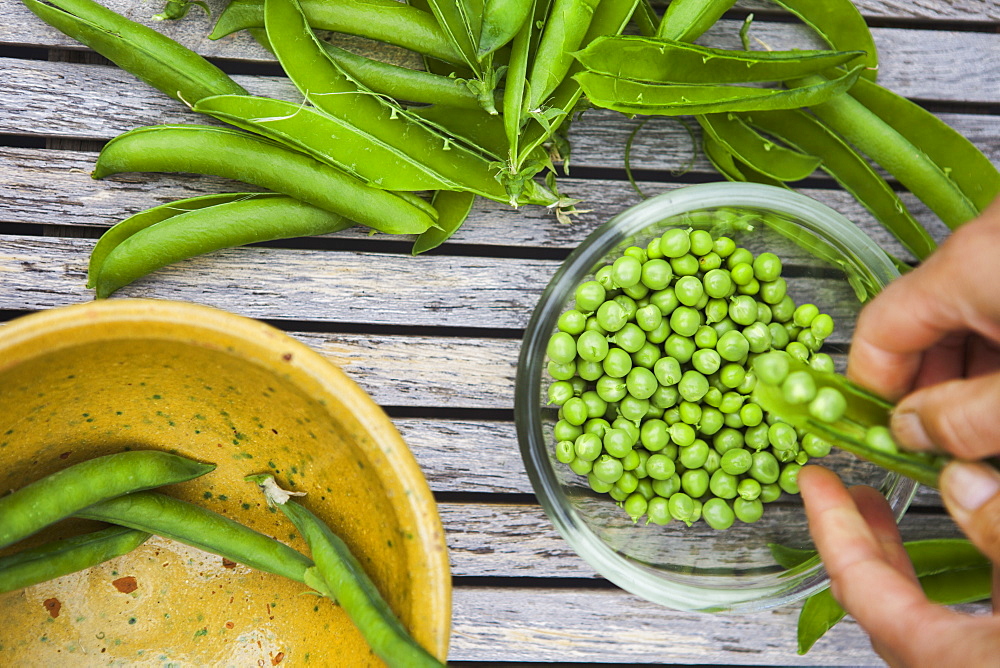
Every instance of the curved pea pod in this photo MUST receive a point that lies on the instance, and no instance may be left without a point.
(864, 410)
(453, 208)
(481, 131)
(727, 164)
(327, 138)
(69, 555)
(210, 229)
(140, 221)
(340, 576)
(670, 61)
(63, 493)
(890, 149)
(840, 24)
(333, 92)
(383, 20)
(261, 162)
(564, 32)
(635, 97)
(151, 56)
(765, 155)
(854, 173)
(502, 19)
(687, 20)
(199, 527)
(461, 21)
(960, 160)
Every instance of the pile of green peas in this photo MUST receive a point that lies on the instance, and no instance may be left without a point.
(651, 372)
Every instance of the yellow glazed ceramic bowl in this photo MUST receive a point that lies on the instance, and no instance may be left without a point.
(98, 378)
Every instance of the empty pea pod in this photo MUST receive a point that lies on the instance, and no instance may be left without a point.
(261, 162)
(384, 20)
(199, 527)
(453, 208)
(461, 20)
(63, 493)
(564, 32)
(149, 55)
(686, 20)
(340, 576)
(635, 97)
(209, 229)
(765, 155)
(730, 166)
(140, 221)
(669, 61)
(69, 555)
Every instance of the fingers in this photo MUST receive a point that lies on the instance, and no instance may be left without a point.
(971, 492)
(878, 515)
(958, 416)
(945, 295)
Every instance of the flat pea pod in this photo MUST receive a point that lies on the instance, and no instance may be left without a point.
(645, 18)
(143, 52)
(199, 527)
(339, 575)
(891, 150)
(853, 172)
(481, 131)
(403, 83)
(261, 162)
(635, 97)
(502, 19)
(765, 155)
(963, 163)
(658, 60)
(565, 28)
(383, 20)
(61, 557)
(327, 138)
(63, 493)
(727, 164)
(209, 229)
(840, 24)
(461, 22)
(687, 20)
(140, 221)
(453, 209)
(326, 86)
(523, 48)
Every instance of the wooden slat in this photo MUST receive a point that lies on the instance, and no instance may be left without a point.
(930, 10)
(928, 64)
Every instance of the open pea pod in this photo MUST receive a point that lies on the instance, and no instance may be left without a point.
(635, 97)
(149, 55)
(765, 155)
(660, 60)
(383, 20)
(461, 21)
(839, 24)
(453, 208)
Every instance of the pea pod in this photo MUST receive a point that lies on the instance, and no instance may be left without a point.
(840, 24)
(209, 229)
(63, 493)
(149, 55)
(502, 19)
(69, 555)
(199, 527)
(892, 151)
(384, 20)
(326, 86)
(453, 208)
(727, 164)
(766, 156)
(687, 20)
(964, 164)
(670, 61)
(523, 48)
(854, 173)
(140, 221)
(340, 576)
(461, 22)
(634, 97)
(481, 131)
(564, 32)
(261, 162)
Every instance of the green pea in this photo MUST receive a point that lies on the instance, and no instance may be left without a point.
(693, 385)
(685, 321)
(564, 431)
(879, 438)
(743, 310)
(804, 314)
(724, 325)
(589, 296)
(798, 388)
(727, 439)
(821, 326)
(718, 514)
(690, 412)
(710, 261)
(605, 278)
(748, 489)
(617, 363)
(626, 271)
(681, 348)
(675, 243)
(733, 346)
(658, 511)
(814, 446)
(646, 356)
(682, 434)
(766, 267)
(656, 274)
(635, 505)
(572, 322)
(618, 494)
(631, 461)
(779, 335)
(611, 388)
(706, 361)
(574, 411)
(712, 421)
(806, 338)
(694, 482)
(669, 487)
(594, 326)
(739, 256)
(718, 283)
(628, 304)
(788, 479)
(713, 462)
(724, 246)
(581, 466)
(782, 436)
(648, 317)
(665, 300)
(769, 492)
(608, 469)
(741, 273)
(617, 442)
(829, 405)
(748, 511)
(764, 468)
(798, 351)
(653, 435)
(645, 487)
(561, 348)
(653, 251)
(731, 402)
(784, 310)
(632, 408)
(750, 288)
(693, 456)
(756, 437)
(701, 242)
(629, 338)
(689, 290)
(716, 310)
(736, 461)
(660, 467)
(731, 375)
(628, 483)
(588, 446)
(713, 397)
(723, 485)
(611, 316)
(773, 292)
(591, 346)
(681, 507)
(732, 420)
(748, 383)
(822, 362)
(559, 392)
(685, 265)
(758, 337)
(751, 415)
(565, 451)
(660, 334)
(597, 484)
(596, 426)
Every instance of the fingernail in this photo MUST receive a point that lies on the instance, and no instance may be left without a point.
(909, 431)
(969, 485)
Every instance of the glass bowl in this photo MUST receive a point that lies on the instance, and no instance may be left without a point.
(827, 261)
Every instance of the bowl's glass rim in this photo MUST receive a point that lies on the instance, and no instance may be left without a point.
(815, 216)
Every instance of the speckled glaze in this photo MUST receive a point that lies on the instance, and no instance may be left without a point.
(97, 378)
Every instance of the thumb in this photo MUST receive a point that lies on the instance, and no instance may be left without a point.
(958, 416)
(971, 492)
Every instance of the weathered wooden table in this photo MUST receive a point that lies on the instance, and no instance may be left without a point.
(434, 339)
